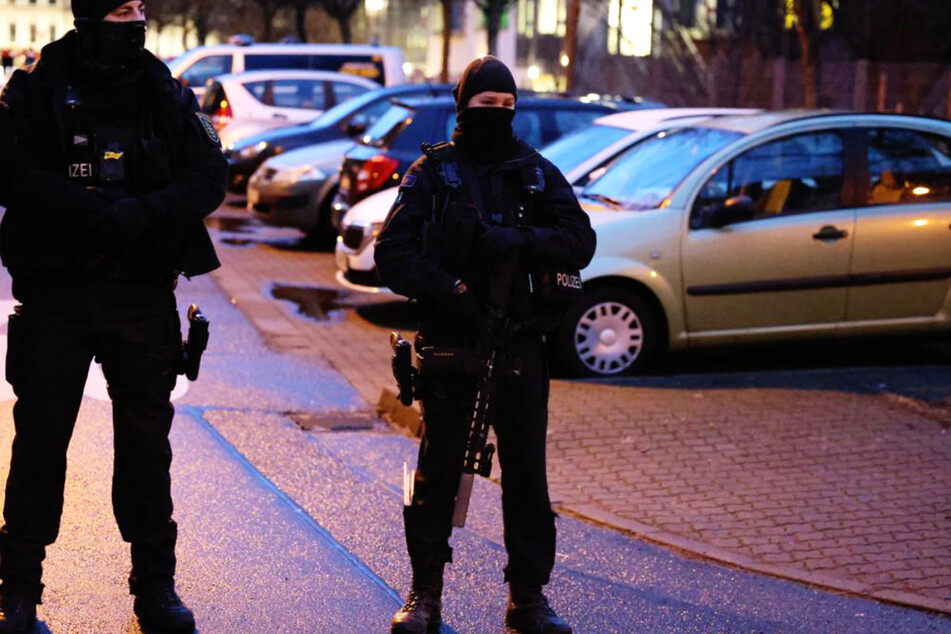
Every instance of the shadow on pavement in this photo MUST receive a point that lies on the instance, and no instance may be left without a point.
(917, 366)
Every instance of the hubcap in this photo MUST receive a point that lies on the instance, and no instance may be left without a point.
(609, 337)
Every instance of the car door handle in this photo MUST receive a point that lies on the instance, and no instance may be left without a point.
(280, 117)
(830, 233)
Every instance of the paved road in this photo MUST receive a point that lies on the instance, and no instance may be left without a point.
(286, 530)
(829, 463)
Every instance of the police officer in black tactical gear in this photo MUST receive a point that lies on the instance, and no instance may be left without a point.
(107, 170)
(463, 210)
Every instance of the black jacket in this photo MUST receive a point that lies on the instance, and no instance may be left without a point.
(46, 221)
(428, 241)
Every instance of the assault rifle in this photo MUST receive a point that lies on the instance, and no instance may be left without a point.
(479, 452)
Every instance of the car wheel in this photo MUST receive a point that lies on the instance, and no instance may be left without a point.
(611, 332)
(323, 234)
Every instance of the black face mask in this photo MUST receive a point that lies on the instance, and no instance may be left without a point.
(110, 49)
(485, 133)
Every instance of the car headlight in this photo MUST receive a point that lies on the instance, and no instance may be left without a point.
(293, 175)
(252, 151)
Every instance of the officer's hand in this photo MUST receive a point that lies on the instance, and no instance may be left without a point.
(125, 220)
(496, 243)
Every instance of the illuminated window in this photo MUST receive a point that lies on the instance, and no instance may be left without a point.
(551, 17)
(630, 27)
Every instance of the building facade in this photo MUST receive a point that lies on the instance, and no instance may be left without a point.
(26, 26)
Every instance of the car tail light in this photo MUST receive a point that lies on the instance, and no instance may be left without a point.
(222, 115)
(374, 173)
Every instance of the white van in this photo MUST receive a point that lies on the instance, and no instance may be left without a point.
(382, 64)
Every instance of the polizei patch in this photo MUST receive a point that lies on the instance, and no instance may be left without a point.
(568, 281)
(209, 127)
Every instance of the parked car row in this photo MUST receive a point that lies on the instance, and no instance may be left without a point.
(726, 229)
(714, 226)
(312, 187)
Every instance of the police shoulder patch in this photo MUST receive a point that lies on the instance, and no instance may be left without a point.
(208, 127)
(408, 181)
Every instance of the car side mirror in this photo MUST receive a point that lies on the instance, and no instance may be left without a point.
(730, 211)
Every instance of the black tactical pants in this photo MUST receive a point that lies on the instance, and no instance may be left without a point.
(520, 426)
(132, 329)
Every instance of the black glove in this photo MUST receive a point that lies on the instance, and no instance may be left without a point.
(497, 242)
(124, 220)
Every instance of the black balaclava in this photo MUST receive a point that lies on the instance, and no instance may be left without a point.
(109, 50)
(485, 134)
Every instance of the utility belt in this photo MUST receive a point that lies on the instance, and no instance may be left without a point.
(432, 360)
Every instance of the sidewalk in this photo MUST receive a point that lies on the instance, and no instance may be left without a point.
(239, 536)
(803, 475)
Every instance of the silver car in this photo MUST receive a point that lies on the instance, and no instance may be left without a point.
(761, 228)
(291, 189)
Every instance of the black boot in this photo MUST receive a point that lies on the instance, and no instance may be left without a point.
(160, 609)
(529, 613)
(422, 612)
(17, 614)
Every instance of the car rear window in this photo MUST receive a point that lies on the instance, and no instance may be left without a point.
(206, 68)
(298, 93)
(907, 166)
(213, 98)
(571, 150)
(263, 62)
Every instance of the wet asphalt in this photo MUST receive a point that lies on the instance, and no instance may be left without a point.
(286, 530)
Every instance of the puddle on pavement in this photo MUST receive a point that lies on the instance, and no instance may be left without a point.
(314, 302)
(229, 224)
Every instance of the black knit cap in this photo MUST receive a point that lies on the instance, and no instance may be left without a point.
(95, 9)
(482, 74)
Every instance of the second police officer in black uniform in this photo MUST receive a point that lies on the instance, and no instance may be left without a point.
(462, 210)
(107, 170)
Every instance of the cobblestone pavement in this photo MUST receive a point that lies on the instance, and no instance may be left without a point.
(836, 477)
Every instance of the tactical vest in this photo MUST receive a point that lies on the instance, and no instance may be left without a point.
(114, 149)
(549, 292)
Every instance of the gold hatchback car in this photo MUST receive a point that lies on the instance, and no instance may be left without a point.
(765, 227)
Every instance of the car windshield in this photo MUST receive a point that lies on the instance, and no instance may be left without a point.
(344, 109)
(387, 126)
(645, 175)
(573, 149)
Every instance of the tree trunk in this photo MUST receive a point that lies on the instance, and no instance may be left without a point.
(446, 38)
(301, 19)
(268, 9)
(493, 20)
(571, 42)
(806, 31)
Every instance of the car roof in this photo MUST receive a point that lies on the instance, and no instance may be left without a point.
(652, 117)
(302, 48)
(753, 123)
(259, 75)
(418, 103)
